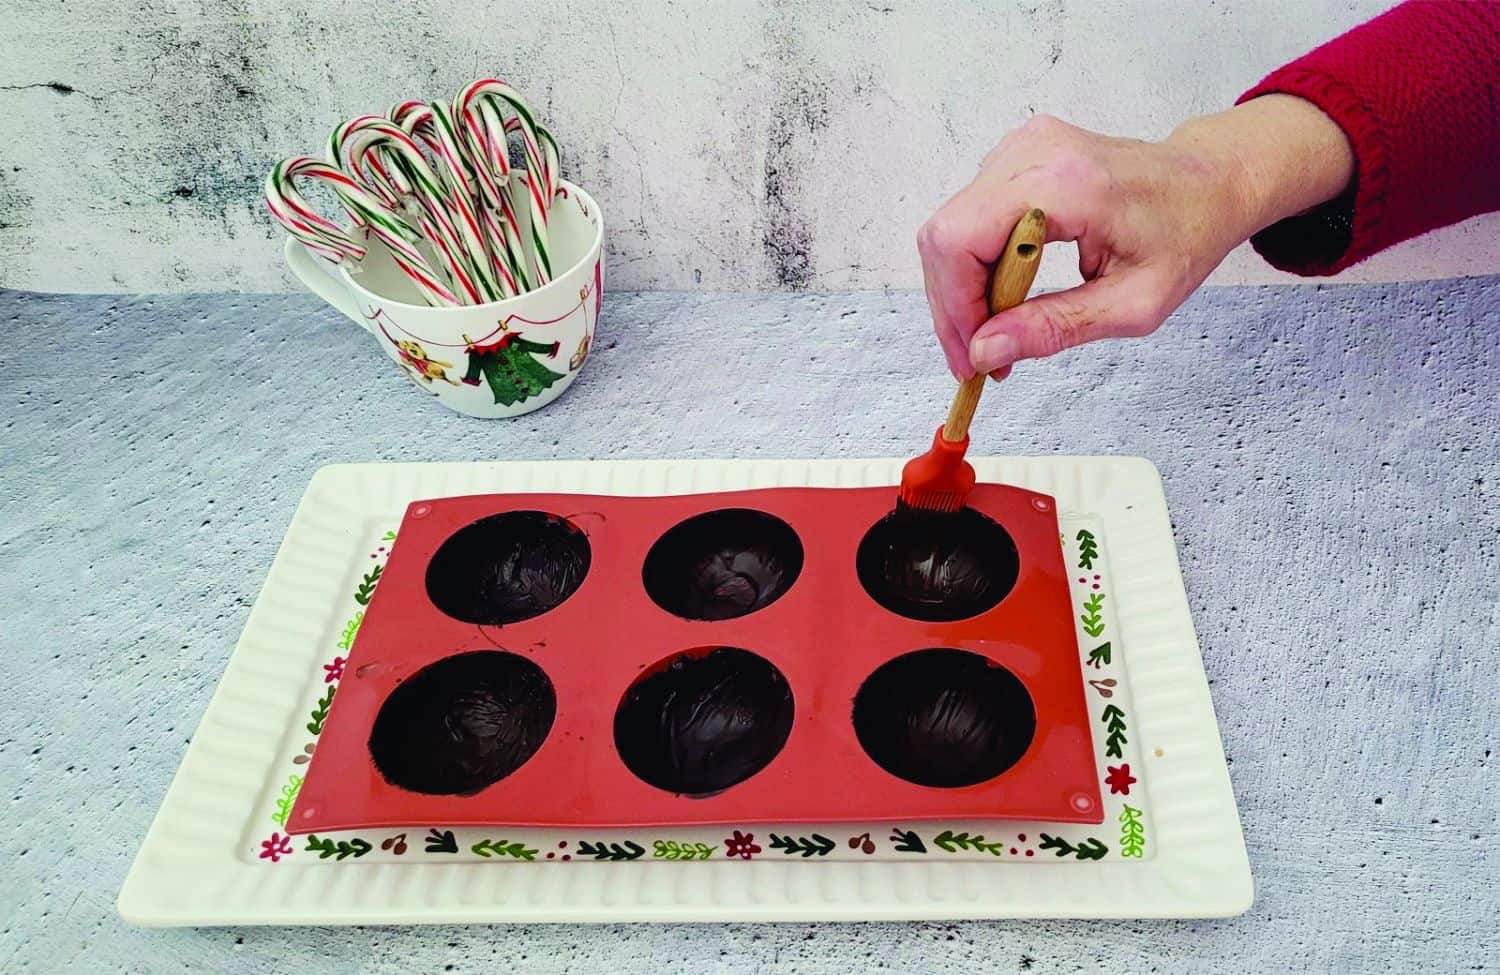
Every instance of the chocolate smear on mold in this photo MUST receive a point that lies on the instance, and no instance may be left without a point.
(704, 723)
(944, 718)
(463, 723)
(508, 567)
(937, 566)
(722, 564)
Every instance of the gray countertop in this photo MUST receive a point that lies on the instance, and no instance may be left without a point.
(1331, 458)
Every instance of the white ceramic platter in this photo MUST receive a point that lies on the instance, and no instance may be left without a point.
(1170, 844)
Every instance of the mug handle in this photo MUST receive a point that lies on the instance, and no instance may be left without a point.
(317, 275)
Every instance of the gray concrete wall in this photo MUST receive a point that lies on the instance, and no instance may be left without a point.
(734, 144)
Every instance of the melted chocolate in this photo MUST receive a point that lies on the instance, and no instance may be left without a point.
(936, 566)
(722, 564)
(704, 723)
(508, 567)
(945, 718)
(463, 723)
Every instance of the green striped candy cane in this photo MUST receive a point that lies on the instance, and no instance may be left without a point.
(541, 157)
(324, 237)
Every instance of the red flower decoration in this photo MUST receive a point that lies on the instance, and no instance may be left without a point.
(275, 848)
(1120, 780)
(335, 670)
(740, 845)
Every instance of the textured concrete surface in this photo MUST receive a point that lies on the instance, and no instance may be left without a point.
(733, 144)
(1331, 458)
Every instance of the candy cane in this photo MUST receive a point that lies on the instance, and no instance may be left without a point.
(327, 239)
(448, 219)
(308, 227)
(433, 124)
(541, 158)
(435, 175)
(485, 148)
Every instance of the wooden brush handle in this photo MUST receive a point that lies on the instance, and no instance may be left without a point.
(1012, 277)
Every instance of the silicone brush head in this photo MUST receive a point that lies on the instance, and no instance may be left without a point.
(939, 480)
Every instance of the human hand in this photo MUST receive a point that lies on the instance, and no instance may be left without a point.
(1151, 221)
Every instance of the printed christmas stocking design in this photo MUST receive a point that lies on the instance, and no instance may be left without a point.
(510, 367)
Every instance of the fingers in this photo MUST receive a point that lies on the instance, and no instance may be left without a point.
(1106, 307)
(955, 248)
(961, 242)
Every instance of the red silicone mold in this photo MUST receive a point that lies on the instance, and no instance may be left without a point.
(825, 634)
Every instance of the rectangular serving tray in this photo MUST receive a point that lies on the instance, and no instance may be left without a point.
(1169, 846)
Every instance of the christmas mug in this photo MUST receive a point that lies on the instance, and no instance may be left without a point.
(504, 358)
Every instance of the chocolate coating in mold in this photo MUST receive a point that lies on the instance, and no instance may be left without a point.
(704, 723)
(945, 718)
(463, 723)
(508, 567)
(722, 564)
(937, 566)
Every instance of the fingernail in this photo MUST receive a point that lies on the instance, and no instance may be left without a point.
(993, 352)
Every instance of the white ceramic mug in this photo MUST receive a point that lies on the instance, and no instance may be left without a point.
(504, 358)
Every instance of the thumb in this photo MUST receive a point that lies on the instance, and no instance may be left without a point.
(1047, 324)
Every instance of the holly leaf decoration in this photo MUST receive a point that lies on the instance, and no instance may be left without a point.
(907, 841)
(338, 849)
(286, 799)
(1114, 723)
(441, 842)
(673, 850)
(952, 842)
(366, 590)
(320, 713)
(502, 848)
(805, 846)
(1089, 849)
(1132, 833)
(1088, 549)
(611, 851)
(1092, 618)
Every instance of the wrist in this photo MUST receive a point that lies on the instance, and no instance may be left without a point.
(1276, 156)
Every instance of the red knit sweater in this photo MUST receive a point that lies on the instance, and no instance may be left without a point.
(1417, 91)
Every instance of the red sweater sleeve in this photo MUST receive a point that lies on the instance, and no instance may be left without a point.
(1417, 91)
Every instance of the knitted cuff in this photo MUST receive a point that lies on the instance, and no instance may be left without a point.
(1341, 232)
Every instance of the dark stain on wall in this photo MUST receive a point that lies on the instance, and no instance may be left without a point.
(218, 148)
(799, 110)
(15, 203)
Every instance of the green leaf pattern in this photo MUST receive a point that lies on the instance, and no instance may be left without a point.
(1089, 849)
(1088, 549)
(1093, 619)
(951, 842)
(1132, 833)
(503, 848)
(320, 713)
(366, 590)
(611, 851)
(673, 850)
(286, 799)
(803, 846)
(338, 849)
(1114, 723)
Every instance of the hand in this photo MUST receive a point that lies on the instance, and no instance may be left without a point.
(1151, 221)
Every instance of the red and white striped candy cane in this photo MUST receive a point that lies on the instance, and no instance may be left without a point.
(433, 126)
(448, 219)
(489, 160)
(541, 156)
(324, 237)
